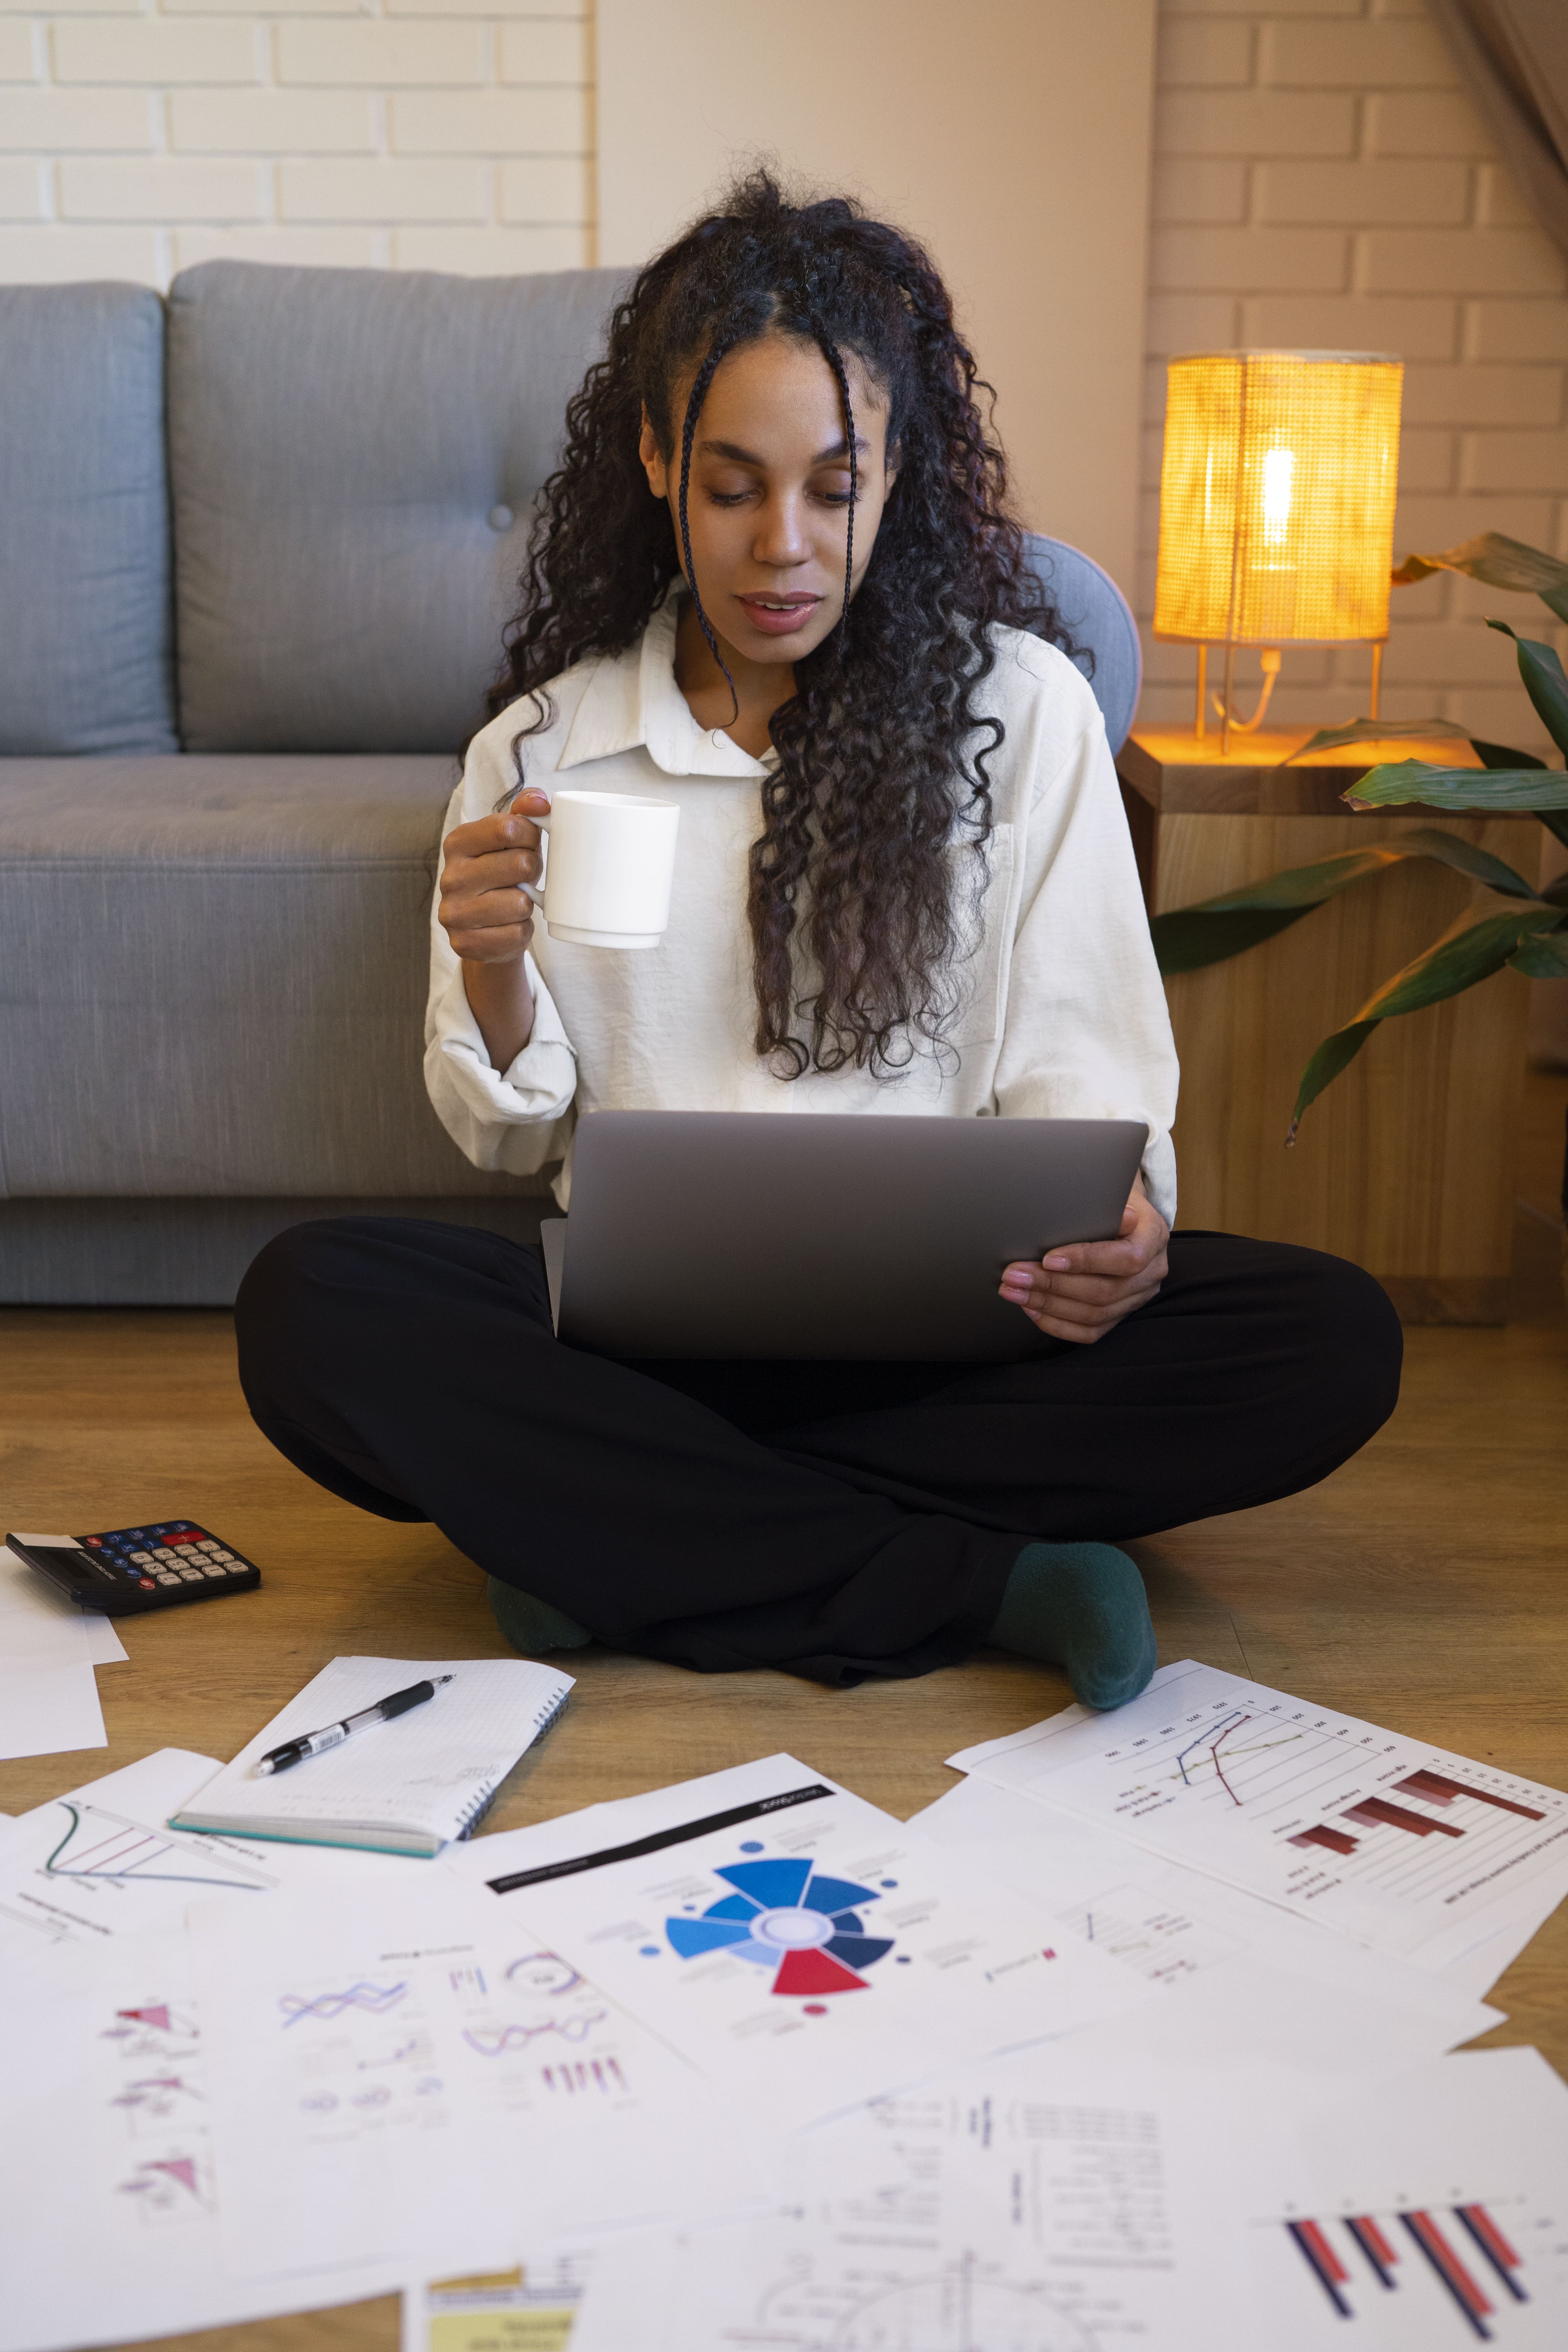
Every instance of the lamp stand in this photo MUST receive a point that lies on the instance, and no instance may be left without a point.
(1199, 717)
(1375, 712)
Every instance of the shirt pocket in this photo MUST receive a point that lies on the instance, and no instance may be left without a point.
(983, 895)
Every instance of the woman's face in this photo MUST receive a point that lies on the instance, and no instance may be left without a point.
(768, 501)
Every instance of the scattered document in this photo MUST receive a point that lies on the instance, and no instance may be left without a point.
(526, 2307)
(1431, 2213)
(49, 1709)
(1008, 2209)
(1247, 1982)
(108, 2212)
(801, 1948)
(1405, 1847)
(406, 2074)
(32, 1610)
(99, 1863)
(407, 1786)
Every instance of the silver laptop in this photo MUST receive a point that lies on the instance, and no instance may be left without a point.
(743, 1233)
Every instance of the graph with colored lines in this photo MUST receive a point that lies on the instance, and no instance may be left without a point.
(802, 1924)
(1396, 1842)
(1459, 2268)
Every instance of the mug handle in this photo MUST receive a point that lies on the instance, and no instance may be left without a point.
(534, 891)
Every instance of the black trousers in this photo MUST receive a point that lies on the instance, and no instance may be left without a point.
(834, 1519)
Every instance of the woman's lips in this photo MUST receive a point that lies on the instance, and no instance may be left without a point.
(779, 617)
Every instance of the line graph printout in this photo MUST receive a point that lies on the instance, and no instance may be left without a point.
(1410, 1849)
(801, 1946)
(1004, 2208)
(391, 2064)
(107, 2158)
(1434, 2219)
(100, 1862)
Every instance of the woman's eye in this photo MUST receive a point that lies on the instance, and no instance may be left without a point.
(728, 497)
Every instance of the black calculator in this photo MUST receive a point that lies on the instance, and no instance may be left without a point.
(133, 1569)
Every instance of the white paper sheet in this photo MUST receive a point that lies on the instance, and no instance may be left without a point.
(30, 1608)
(98, 1862)
(1015, 2208)
(1431, 2214)
(1399, 1844)
(798, 1945)
(109, 2219)
(49, 1710)
(1246, 1980)
(412, 2074)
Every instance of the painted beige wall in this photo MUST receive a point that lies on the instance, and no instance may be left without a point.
(1012, 135)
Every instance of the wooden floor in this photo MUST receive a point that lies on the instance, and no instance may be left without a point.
(1422, 1586)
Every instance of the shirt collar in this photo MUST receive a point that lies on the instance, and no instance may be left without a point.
(633, 698)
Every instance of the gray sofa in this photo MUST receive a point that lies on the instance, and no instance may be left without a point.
(258, 544)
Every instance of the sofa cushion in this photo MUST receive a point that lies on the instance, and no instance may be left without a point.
(212, 978)
(86, 654)
(355, 454)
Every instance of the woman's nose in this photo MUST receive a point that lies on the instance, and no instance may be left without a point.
(781, 536)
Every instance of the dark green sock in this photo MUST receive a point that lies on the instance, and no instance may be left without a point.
(1080, 1606)
(531, 1625)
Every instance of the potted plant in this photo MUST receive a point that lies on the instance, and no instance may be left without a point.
(1530, 935)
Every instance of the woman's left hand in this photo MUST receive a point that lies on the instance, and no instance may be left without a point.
(1085, 1289)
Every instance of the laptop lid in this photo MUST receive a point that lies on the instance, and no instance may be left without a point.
(804, 1235)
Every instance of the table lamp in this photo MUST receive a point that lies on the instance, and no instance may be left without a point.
(1277, 508)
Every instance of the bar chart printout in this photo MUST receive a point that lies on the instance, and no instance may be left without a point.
(1401, 1844)
(1457, 2263)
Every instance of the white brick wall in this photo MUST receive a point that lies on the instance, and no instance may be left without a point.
(138, 136)
(1322, 182)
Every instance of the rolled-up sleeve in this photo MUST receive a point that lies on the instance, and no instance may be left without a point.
(1087, 1033)
(509, 1121)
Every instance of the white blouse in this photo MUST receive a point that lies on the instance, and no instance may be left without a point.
(1061, 1010)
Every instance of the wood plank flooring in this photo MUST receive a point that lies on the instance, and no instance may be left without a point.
(1422, 1586)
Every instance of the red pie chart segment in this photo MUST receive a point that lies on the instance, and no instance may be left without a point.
(804, 1972)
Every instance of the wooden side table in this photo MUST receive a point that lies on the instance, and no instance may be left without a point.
(1406, 1164)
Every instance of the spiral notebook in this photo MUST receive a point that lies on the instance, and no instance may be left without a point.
(410, 1785)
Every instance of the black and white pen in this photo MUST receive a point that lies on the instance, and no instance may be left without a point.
(312, 1743)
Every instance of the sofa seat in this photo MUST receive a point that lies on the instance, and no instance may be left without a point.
(211, 983)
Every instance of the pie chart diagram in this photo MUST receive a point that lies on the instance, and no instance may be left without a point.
(790, 1918)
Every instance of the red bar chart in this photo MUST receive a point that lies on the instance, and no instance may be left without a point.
(1454, 2261)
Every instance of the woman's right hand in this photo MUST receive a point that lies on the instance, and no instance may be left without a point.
(484, 914)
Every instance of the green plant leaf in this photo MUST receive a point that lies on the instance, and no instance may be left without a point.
(1543, 681)
(1457, 791)
(1452, 965)
(1210, 931)
(1543, 957)
(1499, 562)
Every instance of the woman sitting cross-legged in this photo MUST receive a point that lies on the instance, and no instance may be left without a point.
(777, 580)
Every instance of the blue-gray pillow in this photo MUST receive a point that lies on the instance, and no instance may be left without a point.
(355, 454)
(86, 653)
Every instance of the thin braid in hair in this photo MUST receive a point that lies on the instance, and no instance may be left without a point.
(835, 358)
(698, 396)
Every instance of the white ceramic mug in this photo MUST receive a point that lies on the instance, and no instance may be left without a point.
(609, 865)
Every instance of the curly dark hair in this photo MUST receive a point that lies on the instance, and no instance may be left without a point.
(882, 751)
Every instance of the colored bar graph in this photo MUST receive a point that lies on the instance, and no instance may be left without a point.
(1440, 1790)
(1324, 2264)
(1451, 2271)
(1336, 1841)
(1379, 2253)
(1493, 2245)
(1374, 1810)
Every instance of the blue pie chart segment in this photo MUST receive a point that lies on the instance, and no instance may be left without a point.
(858, 1951)
(774, 1886)
(734, 1906)
(832, 1893)
(690, 1936)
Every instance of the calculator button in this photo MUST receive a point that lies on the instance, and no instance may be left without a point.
(212, 1570)
(167, 1576)
(140, 1557)
(188, 1575)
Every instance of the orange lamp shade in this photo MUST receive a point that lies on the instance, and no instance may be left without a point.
(1277, 498)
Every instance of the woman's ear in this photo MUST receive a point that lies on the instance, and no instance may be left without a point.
(893, 467)
(654, 465)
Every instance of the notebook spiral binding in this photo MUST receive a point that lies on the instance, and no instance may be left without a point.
(486, 1798)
